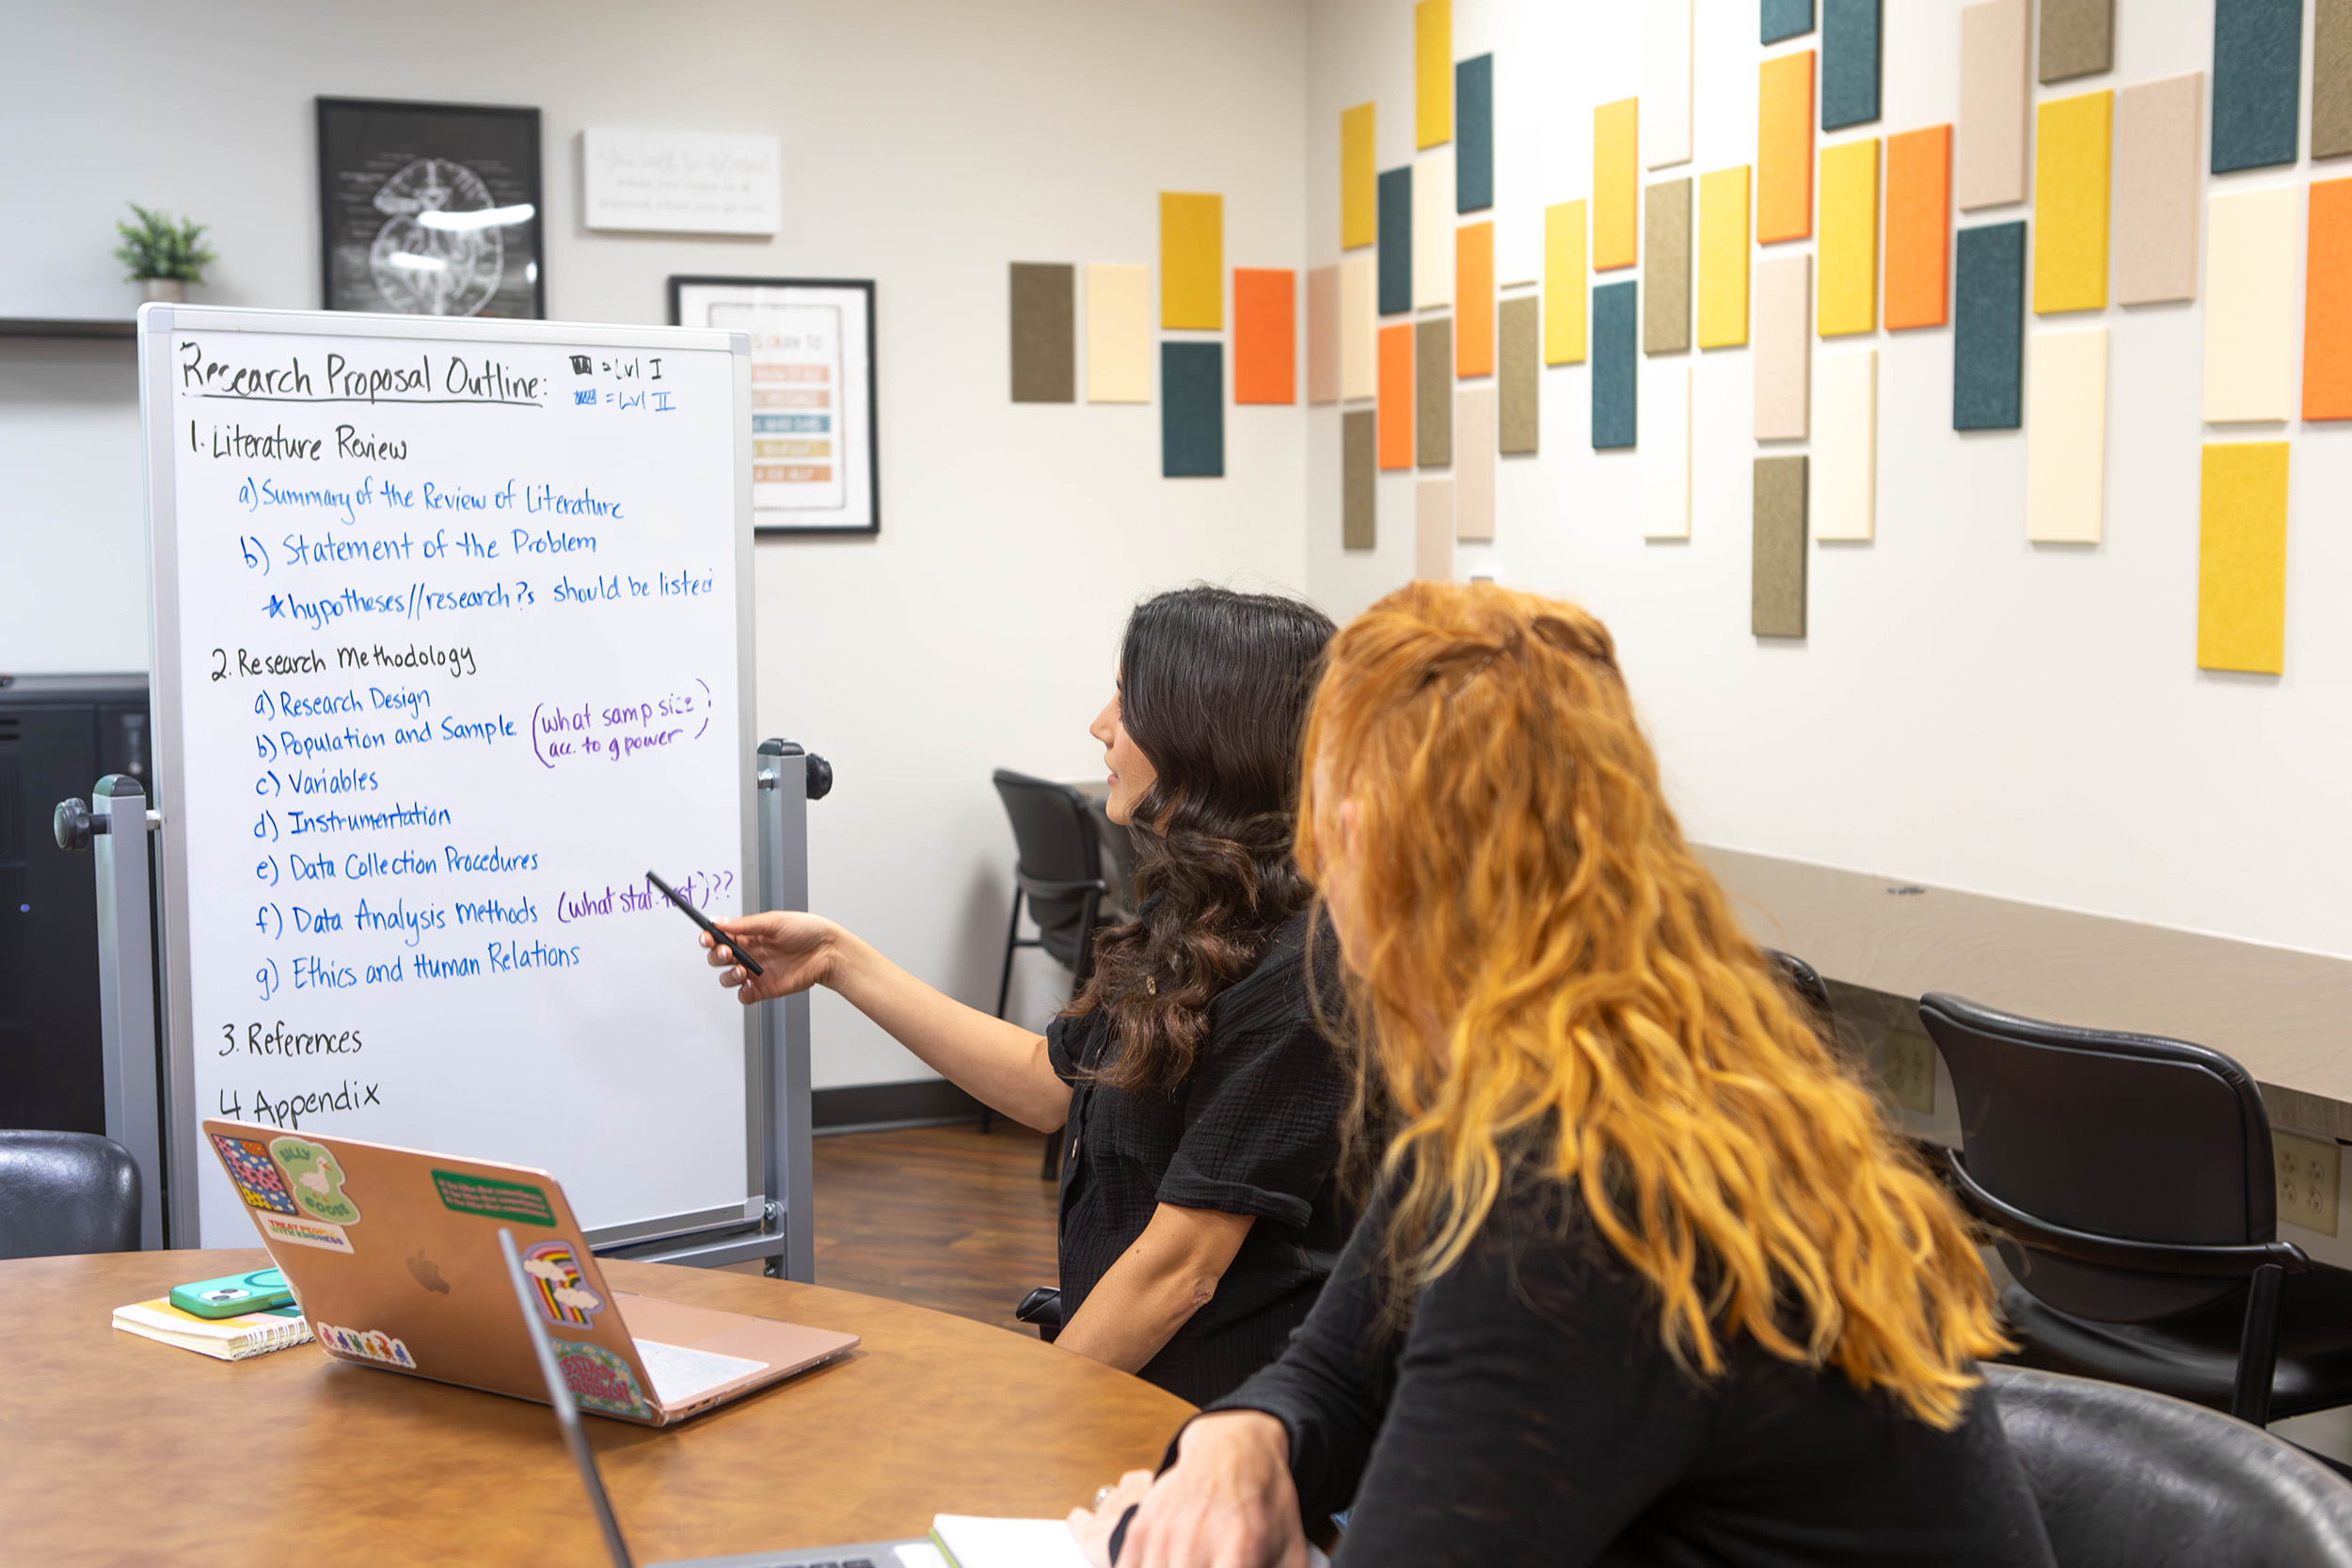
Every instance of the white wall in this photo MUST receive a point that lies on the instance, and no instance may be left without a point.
(1969, 709)
(929, 142)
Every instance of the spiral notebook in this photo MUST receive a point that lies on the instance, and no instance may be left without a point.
(224, 1339)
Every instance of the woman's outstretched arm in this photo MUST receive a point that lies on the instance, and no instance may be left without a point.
(999, 1063)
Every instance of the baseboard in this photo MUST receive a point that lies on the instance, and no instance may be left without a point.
(925, 1100)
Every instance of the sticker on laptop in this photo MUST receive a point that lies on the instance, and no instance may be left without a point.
(492, 1198)
(563, 1297)
(302, 1230)
(257, 1177)
(316, 1180)
(370, 1345)
(600, 1380)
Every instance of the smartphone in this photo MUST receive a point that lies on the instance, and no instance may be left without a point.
(263, 1291)
(700, 919)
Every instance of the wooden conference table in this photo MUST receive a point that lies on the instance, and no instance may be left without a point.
(116, 1449)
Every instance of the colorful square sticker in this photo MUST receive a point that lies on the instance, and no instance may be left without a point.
(256, 1175)
(493, 1198)
(315, 1180)
(600, 1380)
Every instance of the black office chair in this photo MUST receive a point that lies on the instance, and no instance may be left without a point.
(1806, 982)
(2131, 1181)
(67, 1192)
(1058, 872)
(2126, 1478)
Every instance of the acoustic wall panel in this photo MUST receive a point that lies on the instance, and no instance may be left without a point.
(1433, 393)
(2257, 82)
(1615, 401)
(2077, 39)
(1474, 299)
(1360, 328)
(1846, 445)
(2328, 303)
(1850, 33)
(1474, 463)
(1433, 231)
(1666, 268)
(1666, 82)
(1784, 347)
(1359, 478)
(1044, 332)
(1323, 335)
(1517, 382)
(2070, 204)
(1432, 73)
(1615, 185)
(1776, 561)
(1989, 327)
(1396, 241)
(1918, 227)
(2249, 305)
(2242, 557)
(1665, 461)
(1849, 239)
(1474, 134)
(1784, 149)
(1192, 410)
(2331, 79)
(1432, 530)
(1989, 144)
(1396, 396)
(1192, 262)
(2157, 126)
(1359, 210)
(1784, 19)
(1119, 333)
(2066, 437)
(1265, 335)
(1564, 283)
(1722, 252)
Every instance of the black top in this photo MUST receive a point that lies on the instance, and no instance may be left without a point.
(1529, 1413)
(1255, 1132)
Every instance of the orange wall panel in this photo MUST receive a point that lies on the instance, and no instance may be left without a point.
(2328, 304)
(1396, 396)
(1918, 227)
(1265, 335)
(1784, 149)
(1474, 299)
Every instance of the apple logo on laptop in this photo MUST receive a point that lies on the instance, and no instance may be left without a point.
(428, 1273)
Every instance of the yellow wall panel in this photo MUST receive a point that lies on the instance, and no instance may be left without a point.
(1849, 265)
(2242, 557)
(1564, 284)
(1723, 258)
(1615, 183)
(1192, 260)
(2070, 203)
(1359, 208)
(1432, 73)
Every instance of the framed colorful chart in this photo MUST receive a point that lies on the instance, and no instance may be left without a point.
(816, 441)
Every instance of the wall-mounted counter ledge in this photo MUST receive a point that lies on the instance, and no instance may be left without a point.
(68, 326)
(2286, 1015)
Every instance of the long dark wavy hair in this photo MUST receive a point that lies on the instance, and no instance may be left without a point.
(1214, 687)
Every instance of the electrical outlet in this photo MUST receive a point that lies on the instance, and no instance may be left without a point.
(2309, 1169)
(1907, 1063)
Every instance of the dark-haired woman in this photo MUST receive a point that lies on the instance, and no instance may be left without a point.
(1199, 1211)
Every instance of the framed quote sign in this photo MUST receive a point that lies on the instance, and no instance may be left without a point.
(816, 447)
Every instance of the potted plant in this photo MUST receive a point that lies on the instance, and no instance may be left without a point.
(164, 255)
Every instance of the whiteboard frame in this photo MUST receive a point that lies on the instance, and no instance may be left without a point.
(182, 1142)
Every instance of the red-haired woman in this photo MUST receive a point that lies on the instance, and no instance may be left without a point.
(1647, 1277)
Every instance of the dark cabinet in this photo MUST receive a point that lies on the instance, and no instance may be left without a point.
(58, 735)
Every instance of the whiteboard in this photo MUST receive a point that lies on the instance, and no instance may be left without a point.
(452, 643)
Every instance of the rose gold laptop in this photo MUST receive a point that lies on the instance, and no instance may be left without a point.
(393, 1256)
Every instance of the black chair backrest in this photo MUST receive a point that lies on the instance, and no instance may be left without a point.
(1052, 834)
(2115, 1135)
(65, 1192)
(1805, 980)
(2124, 1477)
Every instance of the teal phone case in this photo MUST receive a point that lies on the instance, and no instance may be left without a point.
(262, 1290)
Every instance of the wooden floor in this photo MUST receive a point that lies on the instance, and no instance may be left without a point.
(946, 1217)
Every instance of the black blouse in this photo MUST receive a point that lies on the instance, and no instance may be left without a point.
(1529, 1413)
(1254, 1131)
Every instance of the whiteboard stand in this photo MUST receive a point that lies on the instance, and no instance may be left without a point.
(114, 825)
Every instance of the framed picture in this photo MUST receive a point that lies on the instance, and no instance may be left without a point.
(816, 441)
(430, 209)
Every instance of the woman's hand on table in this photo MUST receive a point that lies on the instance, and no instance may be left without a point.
(795, 950)
(1227, 1502)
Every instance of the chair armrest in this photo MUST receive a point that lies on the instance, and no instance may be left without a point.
(1037, 887)
(2179, 1258)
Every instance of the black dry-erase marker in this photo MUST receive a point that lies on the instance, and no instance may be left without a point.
(700, 919)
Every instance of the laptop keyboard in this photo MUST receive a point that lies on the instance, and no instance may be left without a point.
(680, 1374)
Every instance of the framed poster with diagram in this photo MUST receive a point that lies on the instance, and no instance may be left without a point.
(430, 209)
(816, 442)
